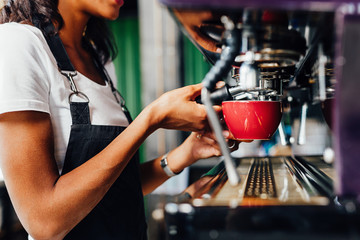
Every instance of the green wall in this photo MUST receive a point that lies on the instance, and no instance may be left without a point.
(195, 64)
(127, 64)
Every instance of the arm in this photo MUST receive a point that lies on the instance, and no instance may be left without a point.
(191, 150)
(41, 197)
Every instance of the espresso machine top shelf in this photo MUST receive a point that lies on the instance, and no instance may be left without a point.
(324, 5)
(267, 181)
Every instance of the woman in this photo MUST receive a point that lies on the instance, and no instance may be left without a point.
(74, 174)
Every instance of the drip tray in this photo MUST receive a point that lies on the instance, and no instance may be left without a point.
(277, 198)
(260, 182)
(267, 181)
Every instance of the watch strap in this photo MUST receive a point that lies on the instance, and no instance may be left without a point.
(165, 167)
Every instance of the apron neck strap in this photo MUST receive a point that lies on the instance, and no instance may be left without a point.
(56, 45)
(65, 66)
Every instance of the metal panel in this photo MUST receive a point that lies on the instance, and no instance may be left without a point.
(347, 107)
(229, 4)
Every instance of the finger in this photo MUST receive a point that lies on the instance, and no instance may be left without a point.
(220, 84)
(217, 109)
(198, 136)
(193, 91)
(208, 139)
(209, 134)
(228, 135)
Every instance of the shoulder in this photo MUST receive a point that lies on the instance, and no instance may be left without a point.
(25, 61)
(14, 29)
(20, 36)
(25, 45)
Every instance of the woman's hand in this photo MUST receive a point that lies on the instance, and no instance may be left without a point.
(198, 146)
(205, 145)
(178, 110)
(202, 146)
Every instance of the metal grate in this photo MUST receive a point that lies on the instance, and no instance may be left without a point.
(260, 182)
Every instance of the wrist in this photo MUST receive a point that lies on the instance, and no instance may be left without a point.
(151, 117)
(179, 158)
(156, 114)
(165, 166)
(187, 149)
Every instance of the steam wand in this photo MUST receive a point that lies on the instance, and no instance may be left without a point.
(216, 73)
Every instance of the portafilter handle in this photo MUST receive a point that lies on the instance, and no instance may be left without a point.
(219, 95)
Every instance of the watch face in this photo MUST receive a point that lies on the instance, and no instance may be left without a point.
(163, 162)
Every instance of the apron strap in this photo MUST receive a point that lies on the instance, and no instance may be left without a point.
(80, 113)
(119, 98)
(67, 69)
(56, 45)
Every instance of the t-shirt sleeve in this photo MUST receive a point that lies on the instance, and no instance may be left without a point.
(24, 84)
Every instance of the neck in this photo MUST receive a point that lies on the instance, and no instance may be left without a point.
(74, 25)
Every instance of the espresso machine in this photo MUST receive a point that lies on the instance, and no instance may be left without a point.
(301, 53)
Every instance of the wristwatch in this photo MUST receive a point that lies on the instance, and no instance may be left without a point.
(165, 167)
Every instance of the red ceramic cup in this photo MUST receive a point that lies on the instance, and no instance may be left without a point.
(249, 120)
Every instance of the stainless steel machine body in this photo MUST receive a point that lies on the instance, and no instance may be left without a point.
(302, 53)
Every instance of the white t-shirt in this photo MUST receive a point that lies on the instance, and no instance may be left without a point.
(30, 80)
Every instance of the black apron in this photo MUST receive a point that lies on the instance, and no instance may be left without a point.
(120, 214)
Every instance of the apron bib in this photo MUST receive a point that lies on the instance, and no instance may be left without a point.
(120, 214)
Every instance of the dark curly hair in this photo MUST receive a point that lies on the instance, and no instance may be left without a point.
(97, 33)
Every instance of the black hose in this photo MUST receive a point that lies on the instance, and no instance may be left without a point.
(227, 57)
